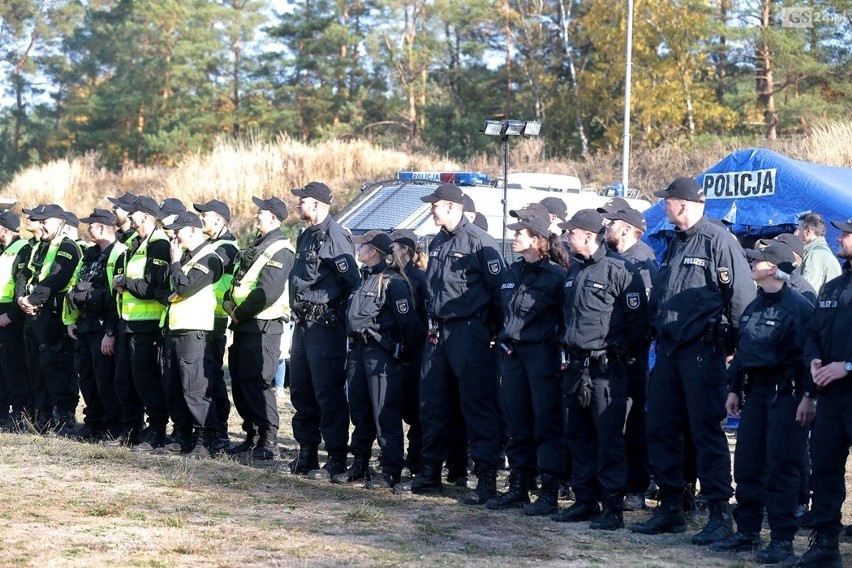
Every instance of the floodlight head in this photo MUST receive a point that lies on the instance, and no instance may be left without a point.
(514, 127)
(493, 128)
(532, 128)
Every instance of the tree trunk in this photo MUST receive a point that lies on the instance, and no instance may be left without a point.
(565, 17)
(764, 84)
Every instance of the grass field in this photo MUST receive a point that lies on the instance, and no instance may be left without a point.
(66, 503)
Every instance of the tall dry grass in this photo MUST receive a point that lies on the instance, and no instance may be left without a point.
(235, 170)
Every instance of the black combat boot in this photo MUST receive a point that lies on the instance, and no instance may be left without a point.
(547, 502)
(612, 516)
(720, 525)
(182, 443)
(738, 542)
(383, 481)
(777, 551)
(579, 511)
(823, 551)
(155, 437)
(66, 423)
(356, 471)
(667, 518)
(516, 496)
(214, 442)
(335, 465)
(267, 445)
(428, 480)
(486, 486)
(245, 446)
(306, 461)
(199, 451)
(457, 474)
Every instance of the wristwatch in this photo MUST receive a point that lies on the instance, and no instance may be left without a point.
(109, 332)
(848, 366)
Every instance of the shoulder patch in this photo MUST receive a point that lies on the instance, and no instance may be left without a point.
(494, 266)
(632, 300)
(159, 262)
(342, 264)
(402, 306)
(724, 274)
(274, 264)
(64, 254)
(200, 267)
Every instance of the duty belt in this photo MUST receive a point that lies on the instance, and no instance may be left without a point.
(769, 376)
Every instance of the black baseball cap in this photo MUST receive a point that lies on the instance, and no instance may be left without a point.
(613, 205)
(315, 189)
(775, 252)
(52, 211)
(586, 220)
(274, 205)
(144, 204)
(34, 211)
(216, 206)
(445, 192)
(185, 219)
(628, 215)
(123, 201)
(685, 188)
(10, 221)
(793, 242)
(378, 239)
(535, 223)
(71, 219)
(171, 206)
(555, 206)
(405, 237)
(845, 226)
(469, 205)
(531, 209)
(102, 216)
(480, 221)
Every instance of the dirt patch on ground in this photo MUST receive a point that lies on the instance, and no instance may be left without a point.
(71, 504)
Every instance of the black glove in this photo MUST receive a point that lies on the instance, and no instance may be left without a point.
(583, 389)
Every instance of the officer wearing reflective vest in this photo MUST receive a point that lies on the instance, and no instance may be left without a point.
(53, 267)
(92, 322)
(138, 379)
(215, 216)
(258, 306)
(382, 327)
(190, 301)
(120, 205)
(13, 262)
(323, 276)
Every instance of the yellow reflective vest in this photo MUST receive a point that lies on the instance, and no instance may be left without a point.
(133, 308)
(7, 270)
(280, 308)
(197, 311)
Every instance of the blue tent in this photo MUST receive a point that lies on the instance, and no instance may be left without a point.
(759, 193)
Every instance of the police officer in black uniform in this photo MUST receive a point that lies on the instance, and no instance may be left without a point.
(258, 306)
(54, 264)
(697, 299)
(623, 234)
(828, 352)
(606, 329)
(323, 276)
(93, 322)
(404, 244)
(796, 281)
(464, 276)
(533, 296)
(215, 215)
(120, 205)
(382, 324)
(13, 262)
(768, 375)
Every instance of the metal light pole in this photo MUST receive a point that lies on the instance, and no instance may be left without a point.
(625, 166)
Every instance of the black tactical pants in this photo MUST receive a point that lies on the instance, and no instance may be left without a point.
(596, 432)
(214, 359)
(374, 381)
(460, 367)
(411, 404)
(317, 381)
(12, 367)
(832, 434)
(769, 447)
(37, 399)
(139, 381)
(687, 387)
(56, 362)
(97, 383)
(532, 391)
(187, 390)
(253, 360)
(635, 430)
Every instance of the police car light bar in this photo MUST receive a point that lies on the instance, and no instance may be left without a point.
(458, 178)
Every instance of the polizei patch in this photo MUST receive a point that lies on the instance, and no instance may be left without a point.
(695, 261)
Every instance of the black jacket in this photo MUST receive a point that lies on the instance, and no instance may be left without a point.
(533, 299)
(830, 326)
(325, 271)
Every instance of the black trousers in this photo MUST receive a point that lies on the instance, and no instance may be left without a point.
(374, 381)
(139, 381)
(532, 391)
(635, 430)
(317, 387)
(214, 360)
(38, 399)
(56, 363)
(596, 432)
(830, 439)
(411, 404)
(13, 369)
(188, 395)
(460, 367)
(687, 386)
(253, 360)
(766, 464)
(97, 383)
